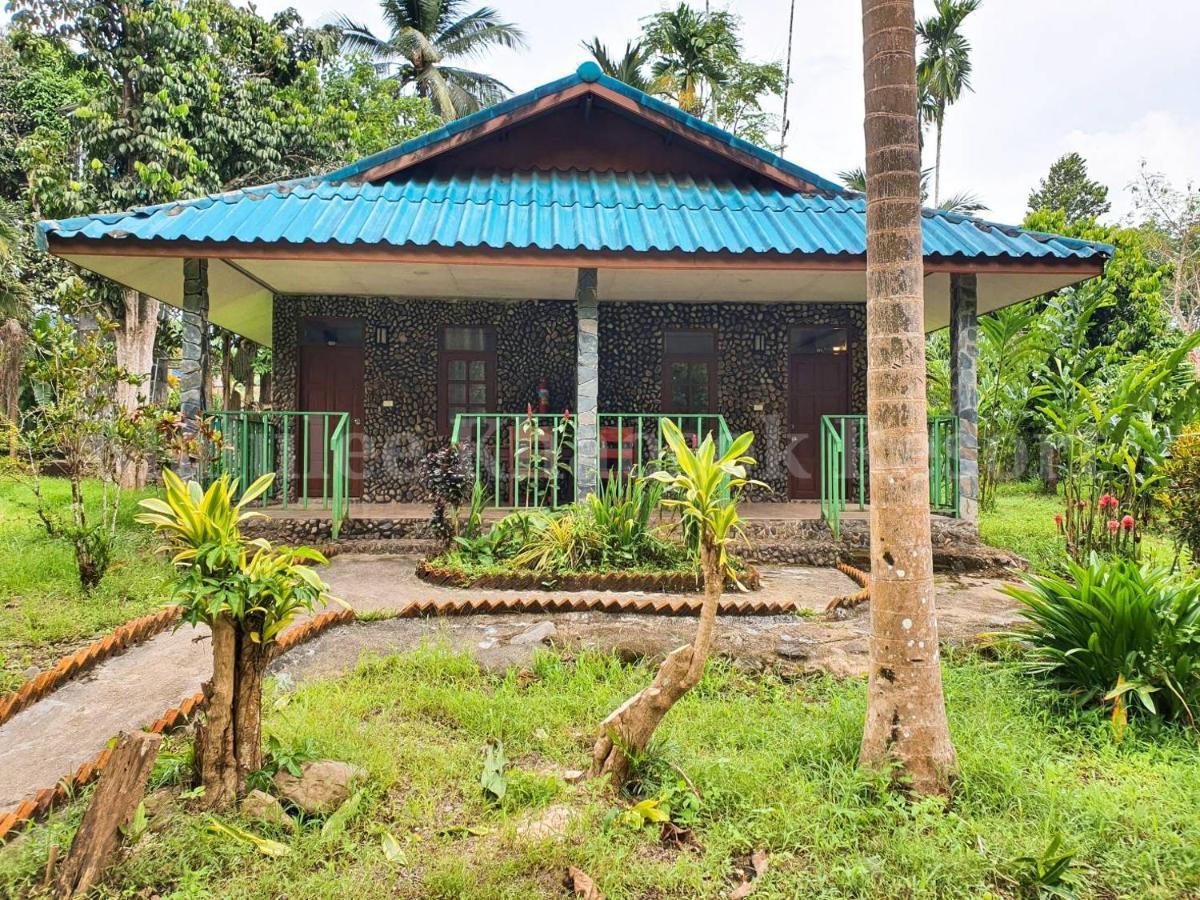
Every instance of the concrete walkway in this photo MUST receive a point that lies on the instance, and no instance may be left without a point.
(55, 736)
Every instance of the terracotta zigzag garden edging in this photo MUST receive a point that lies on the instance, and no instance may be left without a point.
(851, 600)
(553, 604)
(48, 798)
(656, 582)
(128, 635)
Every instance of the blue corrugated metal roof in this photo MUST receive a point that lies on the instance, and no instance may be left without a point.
(555, 210)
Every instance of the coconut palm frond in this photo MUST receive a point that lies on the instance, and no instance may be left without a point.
(963, 202)
(357, 37)
(479, 32)
(483, 88)
(854, 179)
(630, 68)
(431, 83)
(422, 34)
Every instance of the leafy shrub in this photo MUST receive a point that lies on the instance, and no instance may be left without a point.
(1114, 629)
(609, 530)
(448, 480)
(75, 420)
(1179, 500)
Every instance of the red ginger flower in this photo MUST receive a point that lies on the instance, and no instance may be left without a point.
(1058, 521)
(1128, 522)
(1113, 525)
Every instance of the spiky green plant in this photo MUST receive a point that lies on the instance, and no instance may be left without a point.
(1113, 631)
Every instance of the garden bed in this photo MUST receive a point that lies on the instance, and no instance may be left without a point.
(445, 573)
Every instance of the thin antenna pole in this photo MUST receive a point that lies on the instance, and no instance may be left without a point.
(787, 80)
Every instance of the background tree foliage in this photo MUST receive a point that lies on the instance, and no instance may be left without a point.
(113, 106)
(423, 36)
(1134, 319)
(1068, 189)
(695, 59)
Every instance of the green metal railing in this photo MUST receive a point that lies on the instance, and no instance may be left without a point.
(309, 452)
(844, 474)
(530, 460)
(519, 459)
(943, 465)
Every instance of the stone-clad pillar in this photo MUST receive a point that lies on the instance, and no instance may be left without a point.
(964, 389)
(193, 366)
(587, 383)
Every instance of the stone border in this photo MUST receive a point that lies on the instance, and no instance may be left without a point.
(662, 582)
(128, 635)
(49, 798)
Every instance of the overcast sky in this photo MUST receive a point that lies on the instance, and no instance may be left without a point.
(1116, 80)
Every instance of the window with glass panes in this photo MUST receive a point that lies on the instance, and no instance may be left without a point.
(467, 372)
(689, 371)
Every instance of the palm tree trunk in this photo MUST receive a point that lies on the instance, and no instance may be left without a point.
(906, 714)
(629, 728)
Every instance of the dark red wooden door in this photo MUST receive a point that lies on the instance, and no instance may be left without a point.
(818, 385)
(331, 380)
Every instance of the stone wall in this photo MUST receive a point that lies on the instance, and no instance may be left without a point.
(631, 351)
(536, 339)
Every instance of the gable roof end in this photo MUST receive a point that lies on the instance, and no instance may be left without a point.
(587, 79)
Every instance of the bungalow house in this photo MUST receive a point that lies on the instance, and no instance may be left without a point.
(582, 247)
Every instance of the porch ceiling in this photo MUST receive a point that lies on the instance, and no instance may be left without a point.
(241, 289)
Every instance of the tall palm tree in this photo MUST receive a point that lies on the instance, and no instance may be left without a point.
(630, 68)
(944, 70)
(694, 52)
(906, 730)
(423, 34)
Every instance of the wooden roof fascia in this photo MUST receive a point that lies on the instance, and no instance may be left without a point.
(550, 102)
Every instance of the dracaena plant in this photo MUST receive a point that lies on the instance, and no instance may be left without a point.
(247, 591)
(704, 486)
(222, 572)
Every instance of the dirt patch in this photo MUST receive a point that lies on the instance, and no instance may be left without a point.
(371, 582)
(808, 641)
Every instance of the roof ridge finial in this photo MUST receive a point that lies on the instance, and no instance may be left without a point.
(589, 71)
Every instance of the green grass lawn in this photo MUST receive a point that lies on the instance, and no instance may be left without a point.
(43, 611)
(1023, 522)
(774, 763)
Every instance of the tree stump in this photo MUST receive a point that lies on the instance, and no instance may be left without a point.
(121, 788)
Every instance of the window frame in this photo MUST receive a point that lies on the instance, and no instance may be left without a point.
(334, 321)
(711, 358)
(445, 357)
